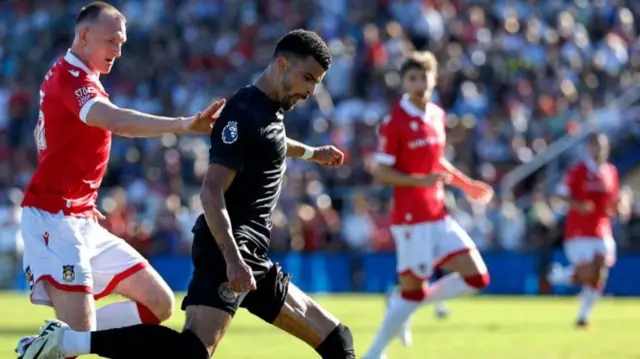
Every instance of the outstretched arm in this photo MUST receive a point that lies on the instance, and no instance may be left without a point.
(131, 123)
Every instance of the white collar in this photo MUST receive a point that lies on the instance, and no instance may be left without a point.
(73, 60)
(591, 165)
(410, 108)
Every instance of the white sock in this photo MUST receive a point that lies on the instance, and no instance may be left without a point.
(588, 297)
(76, 343)
(562, 275)
(399, 312)
(450, 286)
(118, 315)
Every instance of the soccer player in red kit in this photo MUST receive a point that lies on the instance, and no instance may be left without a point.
(411, 159)
(69, 259)
(591, 190)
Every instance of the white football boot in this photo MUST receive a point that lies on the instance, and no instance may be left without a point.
(48, 345)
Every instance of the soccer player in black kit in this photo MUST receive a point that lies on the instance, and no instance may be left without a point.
(231, 239)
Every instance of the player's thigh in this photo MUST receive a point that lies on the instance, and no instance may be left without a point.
(119, 269)
(582, 253)
(456, 251)
(604, 258)
(414, 253)
(208, 324)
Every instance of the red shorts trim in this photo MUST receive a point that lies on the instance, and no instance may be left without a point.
(63, 287)
(119, 278)
(87, 289)
(440, 263)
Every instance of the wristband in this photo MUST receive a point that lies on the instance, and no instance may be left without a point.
(308, 153)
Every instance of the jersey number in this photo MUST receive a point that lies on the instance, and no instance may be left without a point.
(41, 141)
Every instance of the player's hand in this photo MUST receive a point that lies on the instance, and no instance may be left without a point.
(436, 177)
(479, 192)
(328, 156)
(240, 276)
(97, 215)
(585, 207)
(203, 121)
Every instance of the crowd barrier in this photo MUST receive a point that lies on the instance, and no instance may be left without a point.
(511, 273)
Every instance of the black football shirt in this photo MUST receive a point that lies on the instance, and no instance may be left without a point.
(249, 138)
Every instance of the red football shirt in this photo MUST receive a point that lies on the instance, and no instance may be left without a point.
(412, 141)
(73, 155)
(587, 181)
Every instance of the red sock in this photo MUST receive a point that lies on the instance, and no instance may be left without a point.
(146, 315)
(478, 281)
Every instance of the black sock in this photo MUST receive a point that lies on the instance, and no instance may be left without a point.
(147, 341)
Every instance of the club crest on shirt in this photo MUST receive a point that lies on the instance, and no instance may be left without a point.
(68, 273)
(230, 132)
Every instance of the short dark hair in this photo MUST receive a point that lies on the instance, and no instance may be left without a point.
(425, 61)
(92, 11)
(304, 43)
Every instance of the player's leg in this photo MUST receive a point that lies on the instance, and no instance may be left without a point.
(414, 252)
(279, 302)
(603, 258)
(134, 342)
(579, 253)
(440, 307)
(120, 269)
(404, 333)
(58, 267)
(209, 304)
(456, 252)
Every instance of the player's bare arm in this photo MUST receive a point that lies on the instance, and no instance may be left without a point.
(131, 123)
(624, 203)
(216, 182)
(580, 206)
(388, 175)
(477, 190)
(328, 156)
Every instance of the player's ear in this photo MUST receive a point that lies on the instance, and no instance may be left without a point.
(82, 34)
(282, 64)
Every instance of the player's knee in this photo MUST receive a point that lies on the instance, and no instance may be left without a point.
(157, 308)
(338, 344)
(478, 281)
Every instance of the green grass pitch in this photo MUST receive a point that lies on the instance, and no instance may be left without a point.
(484, 327)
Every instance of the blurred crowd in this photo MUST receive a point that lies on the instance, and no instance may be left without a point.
(515, 75)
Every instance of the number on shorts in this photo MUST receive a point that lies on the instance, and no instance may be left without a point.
(38, 133)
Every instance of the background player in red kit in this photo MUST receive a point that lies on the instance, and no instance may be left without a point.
(411, 159)
(591, 190)
(69, 259)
